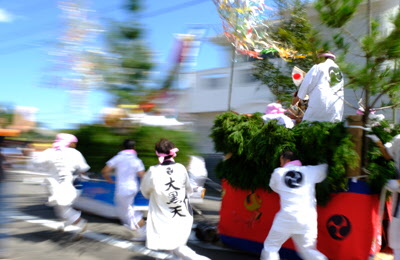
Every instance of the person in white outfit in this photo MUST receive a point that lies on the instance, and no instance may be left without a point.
(128, 169)
(170, 216)
(324, 85)
(63, 162)
(275, 111)
(297, 217)
(391, 151)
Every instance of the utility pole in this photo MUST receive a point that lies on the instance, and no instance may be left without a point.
(231, 78)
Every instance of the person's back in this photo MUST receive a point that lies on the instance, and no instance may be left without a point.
(324, 84)
(170, 217)
(170, 185)
(296, 188)
(128, 168)
(391, 151)
(167, 186)
(126, 165)
(297, 217)
(62, 163)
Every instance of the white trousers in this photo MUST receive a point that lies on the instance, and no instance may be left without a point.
(67, 213)
(396, 254)
(186, 253)
(4, 218)
(305, 245)
(62, 196)
(394, 237)
(128, 216)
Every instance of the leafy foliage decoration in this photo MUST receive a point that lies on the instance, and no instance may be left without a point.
(380, 170)
(231, 131)
(294, 29)
(256, 150)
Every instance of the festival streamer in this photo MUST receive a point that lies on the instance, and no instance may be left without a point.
(244, 24)
(74, 69)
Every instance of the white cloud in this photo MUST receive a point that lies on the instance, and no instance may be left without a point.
(5, 17)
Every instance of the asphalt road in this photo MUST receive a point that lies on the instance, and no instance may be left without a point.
(31, 229)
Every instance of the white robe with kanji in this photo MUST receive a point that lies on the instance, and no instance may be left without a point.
(170, 217)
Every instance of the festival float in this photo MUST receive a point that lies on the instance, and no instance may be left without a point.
(348, 203)
(348, 200)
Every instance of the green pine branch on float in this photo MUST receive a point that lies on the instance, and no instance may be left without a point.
(379, 169)
(255, 147)
(269, 142)
(243, 173)
(231, 130)
(311, 137)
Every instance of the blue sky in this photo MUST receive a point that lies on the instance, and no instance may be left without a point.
(30, 30)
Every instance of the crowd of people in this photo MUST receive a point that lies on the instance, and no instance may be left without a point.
(167, 185)
(322, 92)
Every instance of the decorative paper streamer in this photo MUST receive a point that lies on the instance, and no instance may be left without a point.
(245, 28)
(74, 70)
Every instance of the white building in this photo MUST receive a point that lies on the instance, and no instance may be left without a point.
(213, 92)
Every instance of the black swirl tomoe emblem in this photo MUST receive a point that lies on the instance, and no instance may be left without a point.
(339, 227)
(335, 75)
(293, 179)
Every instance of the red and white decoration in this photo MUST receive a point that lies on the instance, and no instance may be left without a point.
(297, 75)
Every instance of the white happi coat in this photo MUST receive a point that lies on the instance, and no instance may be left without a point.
(170, 218)
(324, 86)
(61, 165)
(393, 149)
(296, 188)
(126, 165)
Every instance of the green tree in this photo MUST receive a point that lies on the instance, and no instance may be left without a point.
(295, 31)
(126, 66)
(378, 78)
(249, 141)
(6, 115)
(99, 143)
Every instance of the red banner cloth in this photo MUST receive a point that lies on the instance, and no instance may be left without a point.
(348, 226)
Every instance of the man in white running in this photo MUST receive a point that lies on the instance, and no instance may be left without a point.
(297, 217)
(391, 151)
(62, 161)
(170, 216)
(128, 169)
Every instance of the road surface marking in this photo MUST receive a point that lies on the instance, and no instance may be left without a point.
(124, 244)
